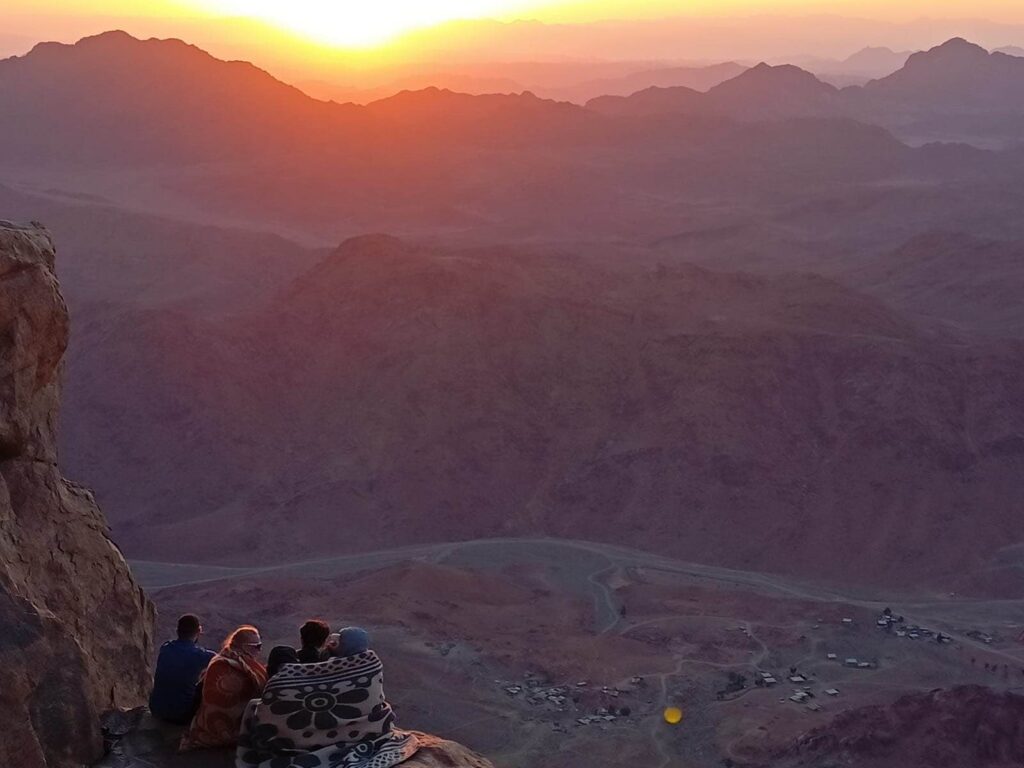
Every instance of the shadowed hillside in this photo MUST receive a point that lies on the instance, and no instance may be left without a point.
(420, 394)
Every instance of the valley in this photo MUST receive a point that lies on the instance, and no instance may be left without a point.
(586, 629)
(673, 383)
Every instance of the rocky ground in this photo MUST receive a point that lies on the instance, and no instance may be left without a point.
(137, 740)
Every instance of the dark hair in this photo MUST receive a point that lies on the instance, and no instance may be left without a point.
(188, 626)
(279, 656)
(314, 633)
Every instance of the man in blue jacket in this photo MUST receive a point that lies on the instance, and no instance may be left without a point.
(178, 668)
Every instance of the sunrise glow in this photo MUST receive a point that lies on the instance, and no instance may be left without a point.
(364, 24)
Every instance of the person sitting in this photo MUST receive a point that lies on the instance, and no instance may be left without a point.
(331, 713)
(178, 667)
(279, 656)
(235, 676)
(314, 634)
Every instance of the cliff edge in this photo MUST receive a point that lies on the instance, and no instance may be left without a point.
(75, 628)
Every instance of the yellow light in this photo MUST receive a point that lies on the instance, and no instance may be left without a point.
(673, 715)
(363, 23)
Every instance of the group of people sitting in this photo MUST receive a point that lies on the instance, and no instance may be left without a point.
(321, 706)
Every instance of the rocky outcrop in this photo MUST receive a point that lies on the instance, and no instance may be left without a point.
(966, 727)
(75, 629)
(438, 753)
(147, 743)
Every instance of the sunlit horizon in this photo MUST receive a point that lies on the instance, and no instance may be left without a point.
(366, 25)
(383, 22)
(315, 41)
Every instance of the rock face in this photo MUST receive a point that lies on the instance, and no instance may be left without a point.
(75, 629)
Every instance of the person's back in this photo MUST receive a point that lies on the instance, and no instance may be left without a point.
(314, 634)
(178, 668)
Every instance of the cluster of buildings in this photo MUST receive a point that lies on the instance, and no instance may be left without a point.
(563, 698)
(889, 622)
(553, 697)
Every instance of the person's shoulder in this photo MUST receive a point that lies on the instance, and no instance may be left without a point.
(195, 651)
(170, 646)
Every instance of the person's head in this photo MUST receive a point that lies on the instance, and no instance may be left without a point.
(279, 656)
(314, 633)
(351, 640)
(245, 640)
(189, 627)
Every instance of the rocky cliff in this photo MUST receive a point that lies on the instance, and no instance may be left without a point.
(75, 629)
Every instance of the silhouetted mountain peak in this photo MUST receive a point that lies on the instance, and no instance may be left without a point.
(958, 50)
(443, 111)
(955, 76)
(115, 43)
(130, 97)
(775, 92)
(785, 77)
(871, 50)
(875, 58)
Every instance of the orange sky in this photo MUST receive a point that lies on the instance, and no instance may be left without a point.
(303, 39)
(377, 21)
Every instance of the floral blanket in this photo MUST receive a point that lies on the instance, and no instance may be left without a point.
(332, 714)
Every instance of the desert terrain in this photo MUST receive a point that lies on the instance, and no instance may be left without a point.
(557, 653)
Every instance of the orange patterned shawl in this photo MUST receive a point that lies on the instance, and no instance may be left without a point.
(229, 683)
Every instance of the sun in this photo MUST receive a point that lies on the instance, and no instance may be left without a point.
(363, 23)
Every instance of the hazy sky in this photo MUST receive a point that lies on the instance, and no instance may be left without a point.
(296, 37)
(358, 22)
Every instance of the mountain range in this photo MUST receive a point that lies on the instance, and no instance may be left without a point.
(957, 85)
(869, 63)
(112, 98)
(626, 320)
(425, 394)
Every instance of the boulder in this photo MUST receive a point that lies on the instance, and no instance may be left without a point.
(439, 753)
(75, 628)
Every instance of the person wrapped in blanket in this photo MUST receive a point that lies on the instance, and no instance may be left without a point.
(233, 678)
(331, 714)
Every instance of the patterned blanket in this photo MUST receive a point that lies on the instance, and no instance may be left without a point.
(229, 683)
(327, 715)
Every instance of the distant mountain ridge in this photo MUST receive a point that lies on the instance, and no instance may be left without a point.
(866, 64)
(937, 88)
(759, 93)
(955, 76)
(113, 98)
